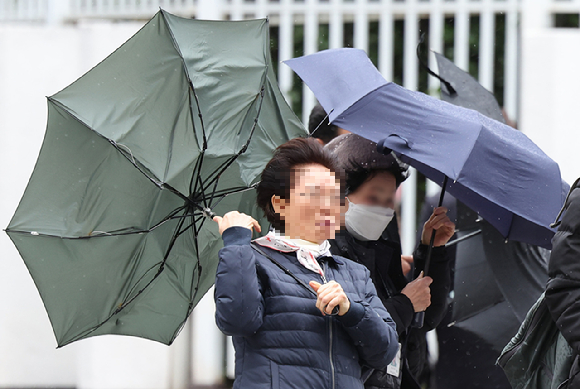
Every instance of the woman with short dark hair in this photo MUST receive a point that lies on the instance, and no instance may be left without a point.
(299, 316)
(371, 237)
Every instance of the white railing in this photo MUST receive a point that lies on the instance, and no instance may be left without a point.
(24, 10)
(310, 15)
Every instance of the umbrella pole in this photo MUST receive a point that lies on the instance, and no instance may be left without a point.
(419, 317)
(428, 260)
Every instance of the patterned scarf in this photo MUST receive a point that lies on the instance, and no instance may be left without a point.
(306, 252)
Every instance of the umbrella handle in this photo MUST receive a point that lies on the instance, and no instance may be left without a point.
(418, 319)
(207, 212)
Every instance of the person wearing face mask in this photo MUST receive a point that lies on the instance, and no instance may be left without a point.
(371, 237)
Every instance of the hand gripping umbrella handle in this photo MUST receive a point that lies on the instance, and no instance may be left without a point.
(419, 317)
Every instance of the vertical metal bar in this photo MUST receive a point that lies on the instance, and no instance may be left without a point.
(336, 25)
(310, 46)
(511, 58)
(209, 10)
(436, 31)
(361, 26)
(410, 81)
(285, 48)
(486, 45)
(386, 41)
(237, 11)
(461, 36)
(261, 11)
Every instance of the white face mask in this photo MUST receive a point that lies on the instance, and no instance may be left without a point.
(366, 222)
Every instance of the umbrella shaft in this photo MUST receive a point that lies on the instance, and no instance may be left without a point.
(430, 249)
(419, 317)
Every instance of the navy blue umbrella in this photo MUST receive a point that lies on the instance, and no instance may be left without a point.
(492, 168)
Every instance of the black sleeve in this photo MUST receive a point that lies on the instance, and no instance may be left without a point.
(401, 310)
(563, 289)
(440, 271)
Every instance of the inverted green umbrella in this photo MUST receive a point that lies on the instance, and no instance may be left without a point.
(174, 126)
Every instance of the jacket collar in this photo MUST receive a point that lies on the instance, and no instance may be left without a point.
(292, 256)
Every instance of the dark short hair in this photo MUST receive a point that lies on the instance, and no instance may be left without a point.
(358, 175)
(278, 175)
(319, 119)
(361, 160)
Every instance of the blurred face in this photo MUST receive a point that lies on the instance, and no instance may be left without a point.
(378, 191)
(313, 210)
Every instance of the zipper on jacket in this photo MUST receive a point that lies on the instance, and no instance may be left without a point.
(330, 353)
(330, 320)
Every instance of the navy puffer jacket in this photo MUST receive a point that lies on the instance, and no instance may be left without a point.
(280, 337)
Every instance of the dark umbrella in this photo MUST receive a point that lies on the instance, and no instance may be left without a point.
(173, 126)
(492, 168)
(467, 92)
(496, 282)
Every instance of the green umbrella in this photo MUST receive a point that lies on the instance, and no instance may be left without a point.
(176, 124)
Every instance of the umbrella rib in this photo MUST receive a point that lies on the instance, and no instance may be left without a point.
(124, 304)
(196, 173)
(197, 169)
(464, 318)
(90, 330)
(223, 196)
(224, 166)
(186, 71)
(193, 223)
(447, 84)
(199, 114)
(194, 289)
(129, 156)
(106, 233)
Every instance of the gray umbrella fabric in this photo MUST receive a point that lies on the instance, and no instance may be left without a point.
(468, 92)
(175, 125)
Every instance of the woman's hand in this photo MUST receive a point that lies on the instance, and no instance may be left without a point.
(406, 264)
(440, 222)
(419, 293)
(330, 295)
(236, 219)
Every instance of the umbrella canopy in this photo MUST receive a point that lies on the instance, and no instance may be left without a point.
(496, 282)
(178, 122)
(468, 92)
(493, 169)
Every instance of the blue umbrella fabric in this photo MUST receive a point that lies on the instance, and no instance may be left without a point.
(492, 168)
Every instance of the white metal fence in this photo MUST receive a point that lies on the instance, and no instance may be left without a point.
(387, 29)
(333, 23)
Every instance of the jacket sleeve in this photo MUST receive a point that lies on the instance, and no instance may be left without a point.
(440, 271)
(563, 288)
(401, 310)
(371, 327)
(238, 296)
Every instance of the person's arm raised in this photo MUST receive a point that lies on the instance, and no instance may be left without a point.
(238, 294)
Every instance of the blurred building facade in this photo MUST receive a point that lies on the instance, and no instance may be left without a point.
(524, 51)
